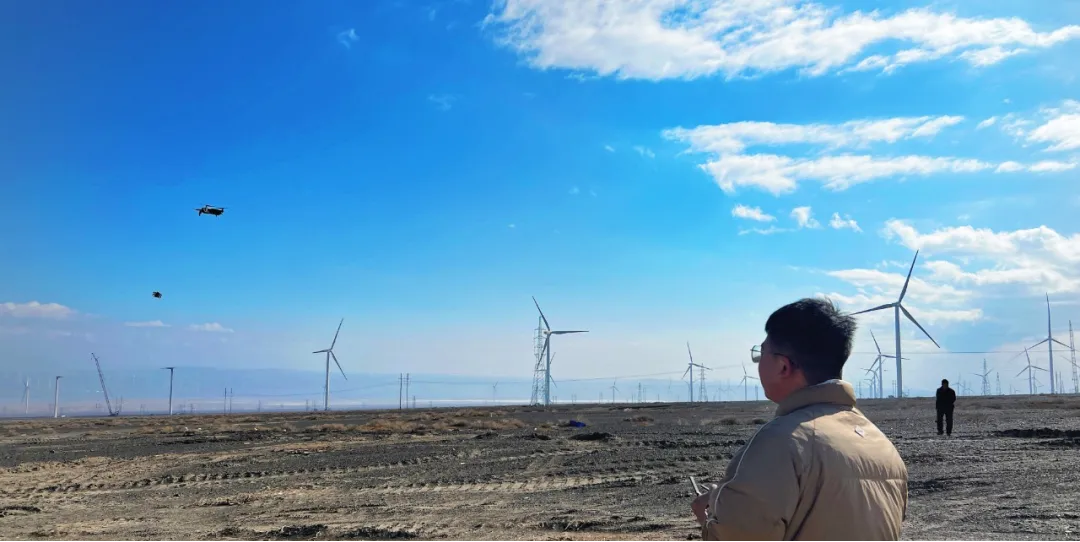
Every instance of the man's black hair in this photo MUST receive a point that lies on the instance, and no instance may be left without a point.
(944, 381)
(815, 335)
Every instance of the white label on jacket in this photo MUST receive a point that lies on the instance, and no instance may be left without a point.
(859, 431)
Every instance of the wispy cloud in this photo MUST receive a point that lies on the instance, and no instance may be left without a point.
(213, 327)
(687, 39)
(751, 213)
(347, 38)
(609, 148)
(443, 102)
(804, 218)
(763, 231)
(34, 309)
(511, 226)
(152, 323)
(838, 223)
(645, 151)
(574, 191)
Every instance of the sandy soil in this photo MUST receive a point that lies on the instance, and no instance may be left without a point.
(1010, 471)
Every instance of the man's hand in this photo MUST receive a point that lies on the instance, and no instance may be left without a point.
(701, 503)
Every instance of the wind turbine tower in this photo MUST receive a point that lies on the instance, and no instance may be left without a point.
(170, 369)
(985, 379)
(330, 353)
(1050, 340)
(1072, 360)
(56, 398)
(897, 309)
(26, 398)
(690, 371)
(546, 350)
(1030, 371)
(746, 384)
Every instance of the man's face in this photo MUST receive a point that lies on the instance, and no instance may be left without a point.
(772, 369)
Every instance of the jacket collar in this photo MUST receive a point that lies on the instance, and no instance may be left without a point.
(835, 392)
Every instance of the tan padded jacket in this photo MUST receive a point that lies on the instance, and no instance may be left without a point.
(818, 471)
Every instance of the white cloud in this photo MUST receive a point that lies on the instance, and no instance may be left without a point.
(1062, 130)
(804, 218)
(687, 39)
(609, 148)
(986, 123)
(511, 226)
(735, 137)
(751, 213)
(574, 191)
(838, 223)
(211, 327)
(347, 37)
(442, 101)
(1040, 259)
(1009, 167)
(1052, 166)
(763, 231)
(781, 174)
(152, 323)
(33, 309)
(645, 151)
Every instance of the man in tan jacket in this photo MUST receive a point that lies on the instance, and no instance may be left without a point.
(819, 470)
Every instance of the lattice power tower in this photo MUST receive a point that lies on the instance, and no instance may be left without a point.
(538, 372)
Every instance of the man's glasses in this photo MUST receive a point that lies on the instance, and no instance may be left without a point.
(755, 353)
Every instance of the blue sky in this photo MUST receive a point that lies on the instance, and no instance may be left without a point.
(423, 168)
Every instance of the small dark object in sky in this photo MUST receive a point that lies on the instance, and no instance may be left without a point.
(157, 295)
(210, 210)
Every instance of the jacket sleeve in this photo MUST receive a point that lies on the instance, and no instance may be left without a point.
(759, 493)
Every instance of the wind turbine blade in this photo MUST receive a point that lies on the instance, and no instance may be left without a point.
(336, 334)
(338, 364)
(1028, 356)
(565, 332)
(691, 354)
(886, 306)
(320, 351)
(908, 279)
(1038, 343)
(875, 342)
(547, 341)
(686, 371)
(542, 317)
(1039, 368)
(912, 318)
(1060, 343)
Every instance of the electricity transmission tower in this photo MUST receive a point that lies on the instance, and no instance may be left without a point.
(538, 371)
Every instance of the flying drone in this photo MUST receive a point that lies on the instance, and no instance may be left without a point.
(156, 294)
(210, 210)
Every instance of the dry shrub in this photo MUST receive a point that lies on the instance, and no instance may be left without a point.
(398, 426)
(328, 428)
(640, 419)
(722, 421)
(759, 421)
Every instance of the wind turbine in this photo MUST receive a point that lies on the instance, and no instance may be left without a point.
(745, 383)
(494, 392)
(613, 390)
(897, 308)
(170, 369)
(873, 380)
(690, 369)
(547, 350)
(1031, 375)
(1050, 340)
(26, 397)
(330, 353)
(985, 378)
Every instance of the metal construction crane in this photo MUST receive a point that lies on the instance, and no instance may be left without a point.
(105, 391)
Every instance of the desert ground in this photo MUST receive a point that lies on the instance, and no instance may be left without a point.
(1010, 471)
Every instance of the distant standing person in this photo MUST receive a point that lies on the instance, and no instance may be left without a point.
(820, 470)
(946, 400)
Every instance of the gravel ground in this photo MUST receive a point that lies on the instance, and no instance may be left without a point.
(1010, 471)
